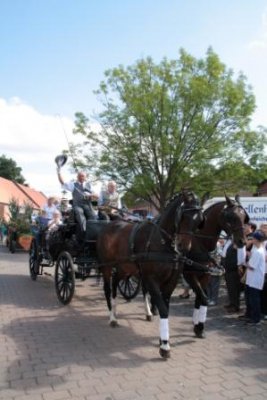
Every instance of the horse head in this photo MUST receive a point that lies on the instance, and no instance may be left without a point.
(233, 218)
(189, 217)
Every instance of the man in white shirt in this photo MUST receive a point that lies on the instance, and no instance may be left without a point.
(82, 197)
(255, 279)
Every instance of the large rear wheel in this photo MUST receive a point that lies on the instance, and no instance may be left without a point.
(129, 287)
(64, 278)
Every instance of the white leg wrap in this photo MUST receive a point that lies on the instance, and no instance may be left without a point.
(195, 316)
(147, 306)
(203, 313)
(164, 328)
(114, 306)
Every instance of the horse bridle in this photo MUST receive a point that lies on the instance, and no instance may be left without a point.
(226, 211)
(179, 214)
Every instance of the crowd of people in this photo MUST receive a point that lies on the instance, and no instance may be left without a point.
(244, 271)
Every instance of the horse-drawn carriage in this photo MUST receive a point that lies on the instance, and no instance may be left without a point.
(73, 259)
(179, 240)
(154, 249)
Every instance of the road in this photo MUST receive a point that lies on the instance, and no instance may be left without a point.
(52, 352)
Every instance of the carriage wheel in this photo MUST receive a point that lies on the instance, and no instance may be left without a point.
(64, 278)
(33, 260)
(129, 287)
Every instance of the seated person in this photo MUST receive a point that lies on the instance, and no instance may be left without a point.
(109, 202)
(42, 219)
(49, 208)
(82, 197)
(52, 226)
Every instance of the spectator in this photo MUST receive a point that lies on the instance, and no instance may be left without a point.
(263, 228)
(3, 232)
(255, 280)
(186, 292)
(216, 274)
(232, 259)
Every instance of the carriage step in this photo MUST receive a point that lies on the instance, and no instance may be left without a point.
(85, 260)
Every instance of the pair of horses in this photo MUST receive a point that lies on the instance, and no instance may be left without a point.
(179, 240)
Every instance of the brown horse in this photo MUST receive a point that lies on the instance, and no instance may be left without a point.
(149, 249)
(228, 216)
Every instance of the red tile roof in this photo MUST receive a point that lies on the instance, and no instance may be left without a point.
(22, 194)
(37, 198)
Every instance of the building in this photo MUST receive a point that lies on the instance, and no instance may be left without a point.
(22, 194)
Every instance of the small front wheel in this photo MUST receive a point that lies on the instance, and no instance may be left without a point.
(129, 287)
(64, 278)
(33, 260)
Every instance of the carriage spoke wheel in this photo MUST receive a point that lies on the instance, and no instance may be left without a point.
(33, 260)
(129, 287)
(64, 278)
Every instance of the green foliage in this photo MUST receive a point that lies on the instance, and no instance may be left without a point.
(21, 221)
(10, 170)
(176, 123)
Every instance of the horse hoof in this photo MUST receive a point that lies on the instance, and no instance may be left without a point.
(165, 354)
(113, 324)
(154, 311)
(199, 333)
(149, 318)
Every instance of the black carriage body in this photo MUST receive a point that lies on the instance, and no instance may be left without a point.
(72, 257)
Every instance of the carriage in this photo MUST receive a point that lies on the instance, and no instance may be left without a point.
(71, 258)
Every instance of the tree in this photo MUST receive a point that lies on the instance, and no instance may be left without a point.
(169, 125)
(10, 170)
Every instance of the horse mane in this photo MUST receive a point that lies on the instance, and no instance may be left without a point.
(168, 205)
(210, 207)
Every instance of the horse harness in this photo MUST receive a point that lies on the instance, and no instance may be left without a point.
(173, 256)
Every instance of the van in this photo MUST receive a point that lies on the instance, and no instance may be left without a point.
(256, 207)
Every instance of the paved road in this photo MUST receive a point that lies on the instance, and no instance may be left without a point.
(52, 352)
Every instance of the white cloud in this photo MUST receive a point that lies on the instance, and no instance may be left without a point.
(34, 140)
(260, 43)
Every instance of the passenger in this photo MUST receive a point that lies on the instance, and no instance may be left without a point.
(109, 202)
(52, 226)
(82, 196)
(54, 222)
(49, 208)
(42, 220)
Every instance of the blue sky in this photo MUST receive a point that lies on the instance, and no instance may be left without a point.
(54, 53)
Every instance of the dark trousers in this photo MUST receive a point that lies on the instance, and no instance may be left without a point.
(264, 297)
(253, 303)
(82, 213)
(232, 280)
(213, 288)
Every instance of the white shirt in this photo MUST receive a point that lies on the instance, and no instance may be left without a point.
(70, 186)
(241, 252)
(49, 210)
(255, 276)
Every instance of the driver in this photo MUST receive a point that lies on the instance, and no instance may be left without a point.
(82, 197)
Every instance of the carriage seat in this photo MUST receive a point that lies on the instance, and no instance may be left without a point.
(93, 228)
